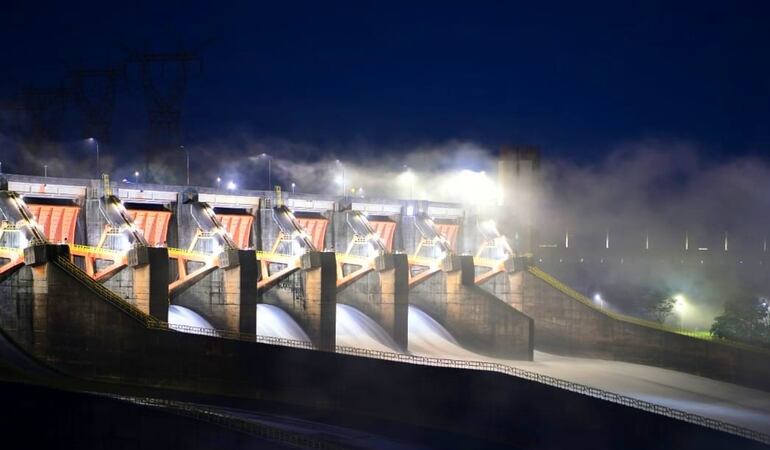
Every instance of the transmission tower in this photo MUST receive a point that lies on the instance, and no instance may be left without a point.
(94, 93)
(164, 78)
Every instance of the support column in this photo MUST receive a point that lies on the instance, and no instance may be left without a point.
(150, 280)
(479, 320)
(241, 272)
(45, 283)
(393, 271)
(319, 273)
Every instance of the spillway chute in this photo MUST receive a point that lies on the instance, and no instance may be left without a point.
(427, 337)
(188, 321)
(272, 321)
(356, 329)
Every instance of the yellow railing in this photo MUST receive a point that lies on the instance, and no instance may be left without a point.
(178, 252)
(11, 251)
(104, 293)
(78, 248)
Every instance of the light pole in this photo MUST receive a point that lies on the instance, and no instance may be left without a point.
(45, 171)
(187, 154)
(269, 169)
(293, 185)
(219, 183)
(136, 177)
(98, 163)
(342, 179)
(408, 176)
(679, 306)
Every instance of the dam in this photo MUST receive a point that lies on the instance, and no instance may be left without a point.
(344, 304)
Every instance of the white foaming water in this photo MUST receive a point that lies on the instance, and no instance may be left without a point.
(356, 329)
(272, 321)
(428, 338)
(180, 317)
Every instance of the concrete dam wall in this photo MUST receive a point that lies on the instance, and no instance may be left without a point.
(68, 322)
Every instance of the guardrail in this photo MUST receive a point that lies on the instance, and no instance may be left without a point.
(96, 250)
(155, 324)
(177, 252)
(96, 287)
(539, 273)
(12, 250)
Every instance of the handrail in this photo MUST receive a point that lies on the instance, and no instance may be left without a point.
(12, 250)
(177, 252)
(96, 250)
(553, 282)
(96, 287)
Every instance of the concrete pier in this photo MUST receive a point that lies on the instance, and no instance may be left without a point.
(315, 308)
(383, 295)
(479, 320)
(149, 267)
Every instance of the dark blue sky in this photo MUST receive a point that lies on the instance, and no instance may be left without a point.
(574, 78)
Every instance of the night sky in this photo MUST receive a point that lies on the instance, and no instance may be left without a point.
(576, 80)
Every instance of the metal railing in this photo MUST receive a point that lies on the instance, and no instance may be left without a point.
(96, 287)
(177, 252)
(11, 251)
(155, 324)
(96, 250)
(553, 282)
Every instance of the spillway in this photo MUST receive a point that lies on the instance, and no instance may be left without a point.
(272, 321)
(180, 317)
(356, 329)
(429, 338)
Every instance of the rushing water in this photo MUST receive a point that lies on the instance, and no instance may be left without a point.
(179, 316)
(356, 329)
(272, 321)
(427, 337)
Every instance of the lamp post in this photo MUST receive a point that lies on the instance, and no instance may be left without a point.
(219, 182)
(342, 178)
(98, 163)
(679, 305)
(136, 177)
(269, 169)
(409, 177)
(293, 185)
(45, 171)
(187, 154)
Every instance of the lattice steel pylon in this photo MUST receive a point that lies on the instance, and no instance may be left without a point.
(94, 92)
(163, 78)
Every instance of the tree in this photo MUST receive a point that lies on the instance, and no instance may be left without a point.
(658, 304)
(744, 320)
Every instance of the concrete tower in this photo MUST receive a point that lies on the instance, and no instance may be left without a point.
(519, 178)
